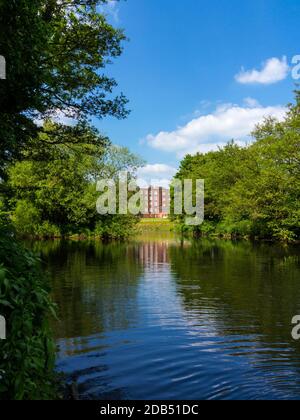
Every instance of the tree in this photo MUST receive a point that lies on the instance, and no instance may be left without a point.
(54, 186)
(271, 193)
(220, 170)
(56, 52)
(253, 191)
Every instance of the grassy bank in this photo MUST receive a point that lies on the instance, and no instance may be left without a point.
(156, 225)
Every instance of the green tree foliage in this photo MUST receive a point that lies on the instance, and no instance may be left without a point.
(54, 186)
(253, 191)
(27, 356)
(56, 52)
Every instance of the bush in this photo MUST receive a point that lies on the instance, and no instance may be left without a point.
(116, 227)
(28, 354)
(27, 221)
(26, 218)
(47, 230)
(241, 228)
(208, 228)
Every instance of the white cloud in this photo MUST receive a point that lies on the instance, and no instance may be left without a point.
(273, 70)
(251, 102)
(154, 182)
(157, 174)
(63, 118)
(111, 8)
(157, 169)
(210, 131)
(58, 117)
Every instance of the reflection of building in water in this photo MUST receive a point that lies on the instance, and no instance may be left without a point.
(154, 253)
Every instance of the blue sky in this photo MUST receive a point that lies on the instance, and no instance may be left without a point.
(182, 73)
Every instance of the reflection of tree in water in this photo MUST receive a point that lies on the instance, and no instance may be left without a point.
(242, 290)
(261, 282)
(241, 295)
(91, 281)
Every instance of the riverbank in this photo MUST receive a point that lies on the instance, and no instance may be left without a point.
(143, 226)
(156, 225)
(28, 352)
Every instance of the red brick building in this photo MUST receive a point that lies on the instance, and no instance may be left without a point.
(156, 202)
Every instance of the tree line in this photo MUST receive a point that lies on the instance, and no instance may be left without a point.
(56, 54)
(252, 191)
(52, 190)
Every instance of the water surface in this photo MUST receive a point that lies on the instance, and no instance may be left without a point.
(162, 318)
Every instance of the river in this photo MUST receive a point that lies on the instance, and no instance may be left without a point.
(165, 318)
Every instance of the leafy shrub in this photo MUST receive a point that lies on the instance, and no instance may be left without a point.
(28, 354)
(116, 227)
(208, 228)
(47, 230)
(240, 228)
(26, 218)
